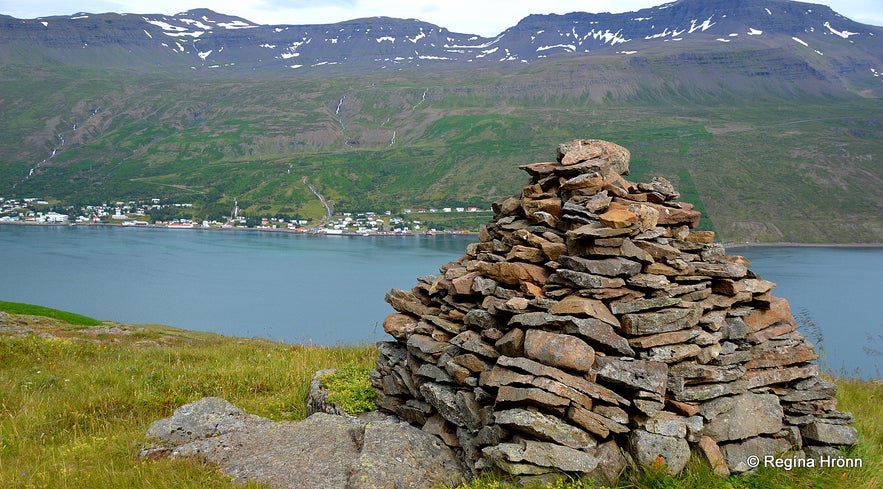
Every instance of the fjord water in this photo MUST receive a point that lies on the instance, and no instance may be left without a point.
(329, 290)
(295, 288)
(836, 294)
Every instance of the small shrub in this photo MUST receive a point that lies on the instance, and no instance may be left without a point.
(350, 386)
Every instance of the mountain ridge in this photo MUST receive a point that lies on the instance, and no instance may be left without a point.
(202, 38)
(123, 107)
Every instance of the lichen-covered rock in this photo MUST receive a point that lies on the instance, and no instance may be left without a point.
(323, 451)
(651, 449)
(746, 415)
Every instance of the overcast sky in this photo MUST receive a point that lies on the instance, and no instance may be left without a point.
(484, 17)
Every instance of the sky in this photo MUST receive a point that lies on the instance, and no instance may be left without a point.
(486, 17)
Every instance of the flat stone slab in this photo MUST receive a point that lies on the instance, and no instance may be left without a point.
(324, 451)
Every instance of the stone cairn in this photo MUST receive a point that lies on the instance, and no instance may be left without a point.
(591, 324)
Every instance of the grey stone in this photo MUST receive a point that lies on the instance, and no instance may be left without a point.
(647, 448)
(321, 451)
(405, 301)
(723, 270)
(545, 426)
(508, 396)
(400, 456)
(542, 454)
(432, 372)
(643, 304)
(472, 341)
(611, 463)
(704, 392)
(317, 398)
(206, 418)
(737, 454)
(449, 403)
(672, 319)
(648, 281)
(650, 407)
(609, 267)
(426, 344)
(734, 328)
(584, 280)
(601, 334)
(482, 319)
(668, 424)
(829, 434)
(633, 374)
(695, 373)
(671, 353)
(539, 320)
(750, 415)
(484, 285)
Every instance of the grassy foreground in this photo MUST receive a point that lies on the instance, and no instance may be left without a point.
(76, 401)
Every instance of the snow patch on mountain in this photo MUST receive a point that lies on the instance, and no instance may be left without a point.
(843, 34)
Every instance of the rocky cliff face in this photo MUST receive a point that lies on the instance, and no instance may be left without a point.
(591, 320)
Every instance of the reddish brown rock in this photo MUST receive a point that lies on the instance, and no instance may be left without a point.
(668, 215)
(618, 218)
(580, 150)
(779, 357)
(714, 456)
(759, 319)
(463, 284)
(517, 272)
(575, 305)
(558, 350)
(700, 237)
(399, 326)
(550, 206)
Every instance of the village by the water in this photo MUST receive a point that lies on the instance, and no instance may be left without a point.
(156, 212)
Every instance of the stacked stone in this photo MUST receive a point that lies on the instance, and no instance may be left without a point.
(591, 321)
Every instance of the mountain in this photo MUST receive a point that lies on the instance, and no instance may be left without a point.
(399, 113)
(202, 38)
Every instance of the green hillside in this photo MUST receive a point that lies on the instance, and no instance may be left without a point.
(771, 167)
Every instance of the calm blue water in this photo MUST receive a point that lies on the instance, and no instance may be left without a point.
(329, 290)
(295, 288)
(839, 290)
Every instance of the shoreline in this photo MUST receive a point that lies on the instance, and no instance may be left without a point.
(308, 232)
(791, 244)
(315, 231)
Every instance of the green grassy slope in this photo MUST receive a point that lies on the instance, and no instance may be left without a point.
(76, 402)
(774, 167)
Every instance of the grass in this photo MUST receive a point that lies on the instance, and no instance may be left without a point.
(76, 402)
(32, 310)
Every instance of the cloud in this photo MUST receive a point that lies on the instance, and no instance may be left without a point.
(485, 17)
